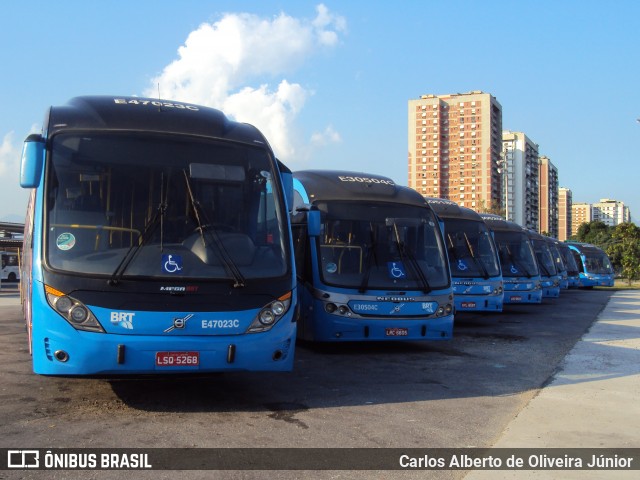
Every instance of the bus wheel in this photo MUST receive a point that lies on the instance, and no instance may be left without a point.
(12, 277)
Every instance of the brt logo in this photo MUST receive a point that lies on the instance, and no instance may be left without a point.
(123, 319)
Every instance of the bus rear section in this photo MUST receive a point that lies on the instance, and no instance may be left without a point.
(370, 259)
(473, 258)
(520, 273)
(594, 266)
(549, 276)
(156, 241)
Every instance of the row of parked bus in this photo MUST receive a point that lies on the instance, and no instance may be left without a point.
(378, 261)
(162, 237)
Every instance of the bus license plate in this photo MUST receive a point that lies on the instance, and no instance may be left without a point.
(396, 332)
(468, 305)
(177, 359)
(516, 298)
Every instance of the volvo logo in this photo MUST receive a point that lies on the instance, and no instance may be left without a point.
(179, 323)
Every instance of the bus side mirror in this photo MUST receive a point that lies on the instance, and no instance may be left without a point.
(313, 222)
(32, 161)
(287, 184)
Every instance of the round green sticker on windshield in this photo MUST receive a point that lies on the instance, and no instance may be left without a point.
(65, 241)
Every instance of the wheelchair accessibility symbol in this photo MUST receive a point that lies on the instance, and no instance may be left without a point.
(462, 266)
(396, 270)
(171, 263)
(513, 269)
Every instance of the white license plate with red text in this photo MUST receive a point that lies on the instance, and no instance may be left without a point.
(177, 359)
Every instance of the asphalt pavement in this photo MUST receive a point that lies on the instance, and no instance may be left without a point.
(593, 401)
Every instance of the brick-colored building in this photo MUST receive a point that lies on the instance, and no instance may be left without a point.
(455, 142)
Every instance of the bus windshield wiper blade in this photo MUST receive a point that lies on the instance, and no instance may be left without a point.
(371, 254)
(158, 218)
(485, 273)
(223, 255)
(404, 251)
(516, 263)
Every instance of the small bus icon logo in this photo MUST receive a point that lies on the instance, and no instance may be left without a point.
(23, 459)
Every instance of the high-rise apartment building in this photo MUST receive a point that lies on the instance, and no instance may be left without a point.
(520, 174)
(548, 197)
(454, 148)
(611, 212)
(565, 201)
(580, 213)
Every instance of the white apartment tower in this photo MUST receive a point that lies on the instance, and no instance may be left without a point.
(454, 148)
(520, 179)
(565, 201)
(611, 212)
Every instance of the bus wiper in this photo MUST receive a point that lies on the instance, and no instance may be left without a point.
(223, 255)
(371, 254)
(546, 270)
(404, 251)
(485, 273)
(157, 219)
(516, 263)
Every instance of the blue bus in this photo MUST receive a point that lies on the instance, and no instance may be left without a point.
(573, 275)
(473, 258)
(520, 273)
(561, 268)
(549, 276)
(593, 264)
(157, 240)
(371, 260)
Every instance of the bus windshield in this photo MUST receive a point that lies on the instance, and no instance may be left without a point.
(597, 263)
(127, 205)
(471, 251)
(516, 255)
(397, 247)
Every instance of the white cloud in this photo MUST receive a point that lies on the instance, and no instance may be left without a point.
(13, 198)
(326, 137)
(9, 157)
(228, 64)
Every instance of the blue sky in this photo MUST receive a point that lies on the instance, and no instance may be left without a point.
(329, 82)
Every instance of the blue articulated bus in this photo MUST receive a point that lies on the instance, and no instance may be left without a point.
(520, 273)
(549, 276)
(573, 275)
(371, 260)
(593, 264)
(473, 258)
(561, 268)
(157, 240)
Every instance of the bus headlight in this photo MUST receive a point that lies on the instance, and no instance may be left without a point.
(270, 314)
(73, 311)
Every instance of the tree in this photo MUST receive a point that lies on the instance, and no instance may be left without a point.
(597, 233)
(624, 250)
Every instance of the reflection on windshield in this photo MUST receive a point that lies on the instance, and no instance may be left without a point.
(471, 250)
(516, 255)
(544, 257)
(381, 246)
(598, 263)
(125, 205)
